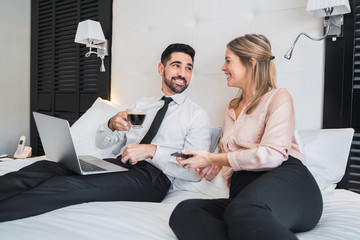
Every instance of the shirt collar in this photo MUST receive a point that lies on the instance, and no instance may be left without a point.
(178, 98)
(231, 113)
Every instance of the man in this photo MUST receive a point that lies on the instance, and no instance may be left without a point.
(44, 186)
(185, 124)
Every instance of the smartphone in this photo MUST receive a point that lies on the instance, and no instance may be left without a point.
(181, 155)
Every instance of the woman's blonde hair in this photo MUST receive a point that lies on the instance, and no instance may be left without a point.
(263, 74)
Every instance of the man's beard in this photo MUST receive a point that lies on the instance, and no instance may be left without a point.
(173, 86)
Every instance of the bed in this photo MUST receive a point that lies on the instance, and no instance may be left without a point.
(326, 151)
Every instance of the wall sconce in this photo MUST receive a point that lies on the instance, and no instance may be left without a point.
(89, 32)
(332, 11)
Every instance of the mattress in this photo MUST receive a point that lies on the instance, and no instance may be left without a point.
(144, 220)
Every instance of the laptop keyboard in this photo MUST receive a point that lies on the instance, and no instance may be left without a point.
(88, 167)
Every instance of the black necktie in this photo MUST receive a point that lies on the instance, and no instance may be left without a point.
(157, 122)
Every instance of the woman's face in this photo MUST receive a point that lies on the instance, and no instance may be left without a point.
(235, 70)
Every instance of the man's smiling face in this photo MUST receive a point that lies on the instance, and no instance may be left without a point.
(176, 73)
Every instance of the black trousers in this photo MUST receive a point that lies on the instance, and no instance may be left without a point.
(45, 186)
(262, 205)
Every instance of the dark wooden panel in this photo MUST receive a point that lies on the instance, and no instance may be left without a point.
(64, 83)
(341, 90)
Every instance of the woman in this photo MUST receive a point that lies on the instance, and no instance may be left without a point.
(272, 193)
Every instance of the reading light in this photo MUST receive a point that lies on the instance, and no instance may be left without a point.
(332, 11)
(89, 32)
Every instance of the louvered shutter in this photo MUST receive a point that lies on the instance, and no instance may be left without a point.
(354, 164)
(64, 83)
(352, 90)
(353, 170)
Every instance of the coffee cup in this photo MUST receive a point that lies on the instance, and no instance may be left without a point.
(136, 117)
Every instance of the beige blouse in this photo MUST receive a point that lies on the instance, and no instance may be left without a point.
(263, 139)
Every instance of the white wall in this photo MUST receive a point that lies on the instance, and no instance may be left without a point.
(14, 73)
(143, 28)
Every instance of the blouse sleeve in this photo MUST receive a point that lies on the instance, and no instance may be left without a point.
(275, 142)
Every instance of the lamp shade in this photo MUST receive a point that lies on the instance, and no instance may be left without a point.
(316, 7)
(89, 29)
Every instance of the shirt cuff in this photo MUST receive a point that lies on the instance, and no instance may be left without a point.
(232, 158)
(160, 153)
(106, 129)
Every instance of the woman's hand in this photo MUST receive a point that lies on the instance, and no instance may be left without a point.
(202, 163)
(206, 164)
(200, 159)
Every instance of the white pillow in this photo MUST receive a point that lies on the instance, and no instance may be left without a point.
(327, 152)
(215, 136)
(84, 129)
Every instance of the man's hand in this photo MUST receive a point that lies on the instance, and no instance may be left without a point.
(138, 152)
(119, 122)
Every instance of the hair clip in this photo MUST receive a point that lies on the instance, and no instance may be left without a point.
(272, 57)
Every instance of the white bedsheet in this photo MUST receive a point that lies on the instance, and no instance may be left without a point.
(143, 220)
(340, 219)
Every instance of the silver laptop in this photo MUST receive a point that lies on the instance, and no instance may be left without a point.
(58, 145)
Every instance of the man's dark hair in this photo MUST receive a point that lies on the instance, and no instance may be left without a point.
(177, 47)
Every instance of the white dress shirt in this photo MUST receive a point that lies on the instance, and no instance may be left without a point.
(185, 126)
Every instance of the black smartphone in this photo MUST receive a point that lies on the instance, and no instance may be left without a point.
(181, 155)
